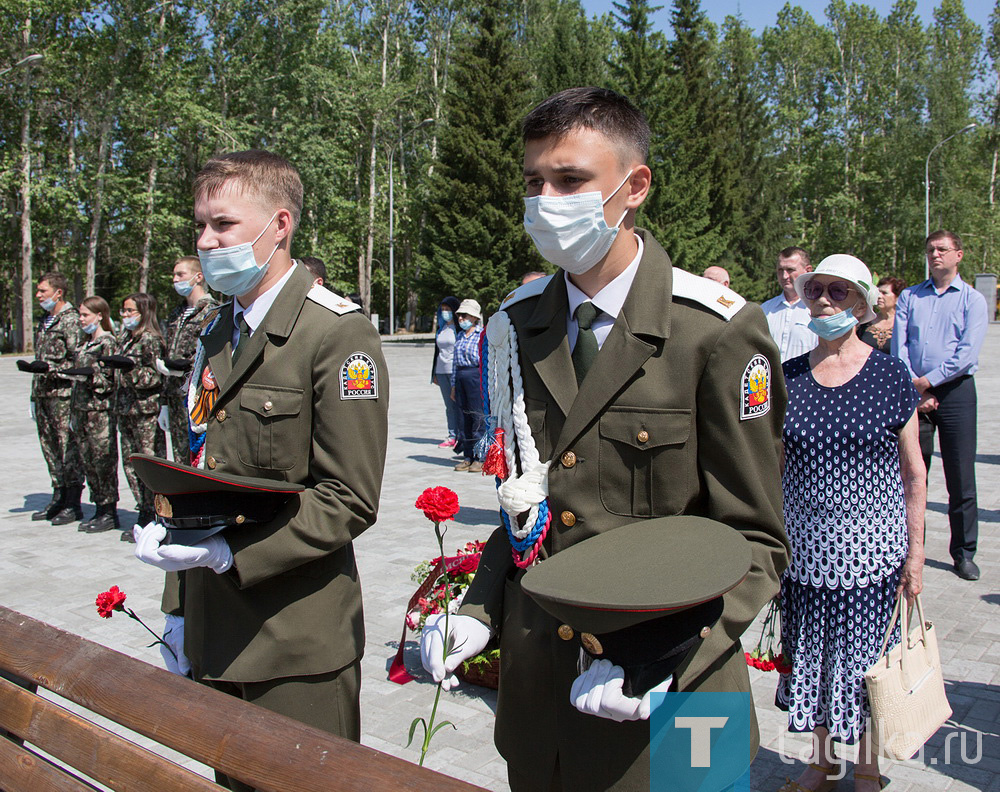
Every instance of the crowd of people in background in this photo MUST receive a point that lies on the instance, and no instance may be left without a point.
(97, 384)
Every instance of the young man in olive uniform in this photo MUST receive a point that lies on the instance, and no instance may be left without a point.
(184, 325)
(649, 392)
(289, 384)
(55, 348)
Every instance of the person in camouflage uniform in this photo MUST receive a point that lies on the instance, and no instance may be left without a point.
(183, 328)
(55, 349)
(93, 419)
(137, 394)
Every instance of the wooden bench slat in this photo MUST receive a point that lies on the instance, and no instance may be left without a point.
(26, 771)
(89, 748)
(261, 748)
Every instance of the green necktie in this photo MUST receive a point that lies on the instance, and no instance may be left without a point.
(242, 340)
(586, 342)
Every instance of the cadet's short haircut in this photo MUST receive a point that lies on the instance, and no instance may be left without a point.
(315, 266)
(266, 178)
(99, 306)
(795, 250)
(599, 109)
(193, 262)
(937, 236)
(56, 280)
(146, 303)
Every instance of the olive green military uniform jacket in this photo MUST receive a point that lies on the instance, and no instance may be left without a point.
(291, 603)
(56, 345)
(654, 430)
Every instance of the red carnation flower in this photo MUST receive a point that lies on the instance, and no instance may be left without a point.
(438, 504)
(109, 601)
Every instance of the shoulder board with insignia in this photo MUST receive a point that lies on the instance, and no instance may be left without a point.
(529, 289)
(211, 314)
(331, 301)
(714, 296)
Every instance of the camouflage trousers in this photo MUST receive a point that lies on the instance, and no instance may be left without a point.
(140, 434)
(95, 430)
(59, 447)
(178, 413)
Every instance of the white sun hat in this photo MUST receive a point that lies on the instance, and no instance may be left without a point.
(848, 268)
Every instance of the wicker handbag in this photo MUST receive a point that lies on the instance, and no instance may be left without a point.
(906, 689)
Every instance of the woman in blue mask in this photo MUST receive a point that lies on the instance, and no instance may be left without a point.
(138, 386)
(854, 490)
(93, 417)
(443, 366)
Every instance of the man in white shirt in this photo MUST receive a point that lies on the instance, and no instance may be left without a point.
(787, 315)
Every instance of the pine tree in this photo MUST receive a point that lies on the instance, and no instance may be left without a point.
(475, 243)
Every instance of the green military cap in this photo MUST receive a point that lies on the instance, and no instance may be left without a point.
(194, 504)
(642, 595)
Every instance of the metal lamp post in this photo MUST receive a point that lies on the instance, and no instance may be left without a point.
(23, 62)
(927, 190)
(392, 236)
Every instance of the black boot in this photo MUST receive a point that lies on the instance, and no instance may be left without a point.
(71, 510)
(105, 519)
(145, 517)
(52, 509)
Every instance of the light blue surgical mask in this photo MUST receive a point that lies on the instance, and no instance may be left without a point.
(465, 324)
(184, 288)
(47, 305)
(446, 316)
(234, 270)
(831, 327)
(130, 322)
(91, 328)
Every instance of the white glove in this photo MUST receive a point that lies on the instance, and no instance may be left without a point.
(469, 637)
(173, 636)
(31, 410)
(162, 368)
(163, 419)
(213, 553)
(598, 691)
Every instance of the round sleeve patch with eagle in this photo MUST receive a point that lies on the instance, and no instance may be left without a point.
(359, 377)
(756, 388)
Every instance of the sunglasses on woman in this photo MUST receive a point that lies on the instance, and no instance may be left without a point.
(838, 290)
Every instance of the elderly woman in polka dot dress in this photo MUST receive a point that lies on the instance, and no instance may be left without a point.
(854, 487)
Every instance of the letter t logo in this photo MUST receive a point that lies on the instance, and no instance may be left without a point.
(701, 737)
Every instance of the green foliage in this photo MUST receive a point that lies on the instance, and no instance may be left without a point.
(812, 132)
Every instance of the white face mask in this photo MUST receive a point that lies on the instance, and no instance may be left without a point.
(234, 270)
(570, 230)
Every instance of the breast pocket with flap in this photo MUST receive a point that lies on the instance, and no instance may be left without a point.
(645, 463)
(267, 426)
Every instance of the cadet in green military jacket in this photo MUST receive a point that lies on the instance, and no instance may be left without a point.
(93, 416)
(184, 325)
(138, 386)
(289, 384)
(647, 392)
(55, 349)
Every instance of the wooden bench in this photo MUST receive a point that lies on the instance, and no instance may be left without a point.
(268, 751)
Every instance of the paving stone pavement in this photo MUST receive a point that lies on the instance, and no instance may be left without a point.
(54, 574)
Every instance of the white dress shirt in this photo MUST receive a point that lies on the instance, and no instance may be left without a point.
(257, 310)
(608, 301)
(789, 326)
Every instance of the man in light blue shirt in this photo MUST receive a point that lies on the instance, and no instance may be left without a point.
(939, 329)
(787, 315)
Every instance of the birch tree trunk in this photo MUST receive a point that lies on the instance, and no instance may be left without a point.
(27, 250)
(98, 205)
